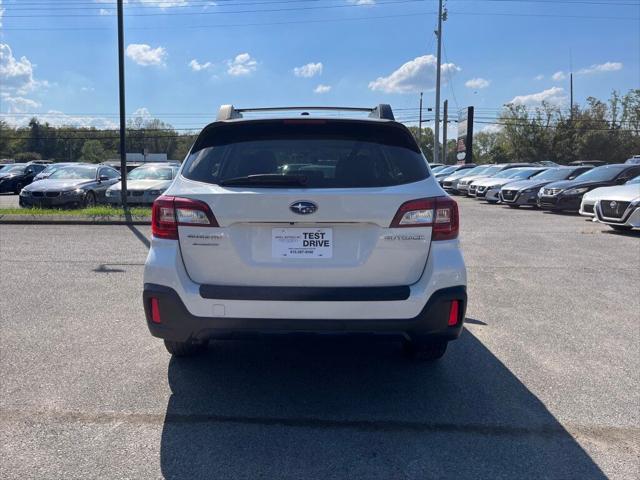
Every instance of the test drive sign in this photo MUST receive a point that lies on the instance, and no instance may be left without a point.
(465, 136)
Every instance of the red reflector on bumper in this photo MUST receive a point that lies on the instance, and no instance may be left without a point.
(453, 313)
(155, 310)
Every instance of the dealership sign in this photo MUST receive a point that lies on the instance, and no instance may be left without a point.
(464, 151)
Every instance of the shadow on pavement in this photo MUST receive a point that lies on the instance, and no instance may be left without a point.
(344, 408)
(139, 235)
(622, 233)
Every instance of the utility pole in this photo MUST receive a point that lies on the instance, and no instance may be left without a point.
(445, 120)
(571, 95)
(436, 147)
(571, 85)
(420, 121)
(123, 143)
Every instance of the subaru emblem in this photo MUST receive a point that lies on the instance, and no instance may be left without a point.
(303, 207)
(613, 204)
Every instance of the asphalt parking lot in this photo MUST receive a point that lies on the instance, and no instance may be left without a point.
(9, 200)
(544, 383)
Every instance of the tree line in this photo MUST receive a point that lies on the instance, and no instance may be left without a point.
(607, 131)
(599, 130)
(38, 141)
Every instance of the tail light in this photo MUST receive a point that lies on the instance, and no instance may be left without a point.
(454, 313)
(170, 212)
(155, 310)
(439, 213)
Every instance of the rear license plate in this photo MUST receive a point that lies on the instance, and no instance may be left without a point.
(302, 242)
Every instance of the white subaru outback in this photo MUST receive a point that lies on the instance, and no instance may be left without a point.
(305, 224)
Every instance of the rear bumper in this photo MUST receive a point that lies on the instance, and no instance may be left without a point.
(178, 324)
(226, 309)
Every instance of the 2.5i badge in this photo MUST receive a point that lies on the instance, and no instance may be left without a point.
(302, 242)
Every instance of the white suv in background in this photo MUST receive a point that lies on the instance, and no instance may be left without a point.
(305, 224)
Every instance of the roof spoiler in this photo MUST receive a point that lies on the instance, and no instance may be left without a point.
(229, 112)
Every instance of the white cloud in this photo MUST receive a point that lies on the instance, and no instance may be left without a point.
(60, 119)
(163, 4)
(142, 112)
(1, 13)
(414, 76)
(601, 68)
(16, 75)
(18, 104)
(322, 89)
(363, 2)
(558, 76)
(243, 64)
(477, 83)
(539, 77)
(197, 66)
(144, 55)
(553, 95)
(309, 70)
(491, 128)
(104, 12)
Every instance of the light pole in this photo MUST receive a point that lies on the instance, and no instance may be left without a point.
(436, 140)
(123, 143)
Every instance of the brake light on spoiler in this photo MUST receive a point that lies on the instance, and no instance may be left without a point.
(170, 212)
(439, 213)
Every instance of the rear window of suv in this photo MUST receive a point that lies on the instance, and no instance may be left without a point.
(319, 153)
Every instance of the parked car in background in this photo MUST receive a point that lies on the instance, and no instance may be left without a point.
(133, 164)
(442, 174)
(436, 165)
(450, 183)
(446, 171)
(492, 187)
(593, 163)
(525, 192)
(144, 184)
(14, 178)
(588, 204)
(504, 172)
(80, 185)
(619, 207)
(635, 160)
(238, 247)
(465, 183)
(567, 195)
(50, 169)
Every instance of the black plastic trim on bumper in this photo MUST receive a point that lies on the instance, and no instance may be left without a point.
(560, 203)
(302, 294)
(178, 324)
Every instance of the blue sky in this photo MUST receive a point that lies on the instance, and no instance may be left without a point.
(185, 58)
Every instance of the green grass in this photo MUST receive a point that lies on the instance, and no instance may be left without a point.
(99, 211)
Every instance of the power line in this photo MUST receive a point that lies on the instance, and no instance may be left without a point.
(208, 13)
(225, 25)
(160, 4)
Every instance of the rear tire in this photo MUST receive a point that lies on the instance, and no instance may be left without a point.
(425, 350)
(183, 349)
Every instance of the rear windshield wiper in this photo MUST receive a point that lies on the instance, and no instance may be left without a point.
(267, 179)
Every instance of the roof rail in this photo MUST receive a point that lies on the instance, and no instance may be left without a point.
(228, 112)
